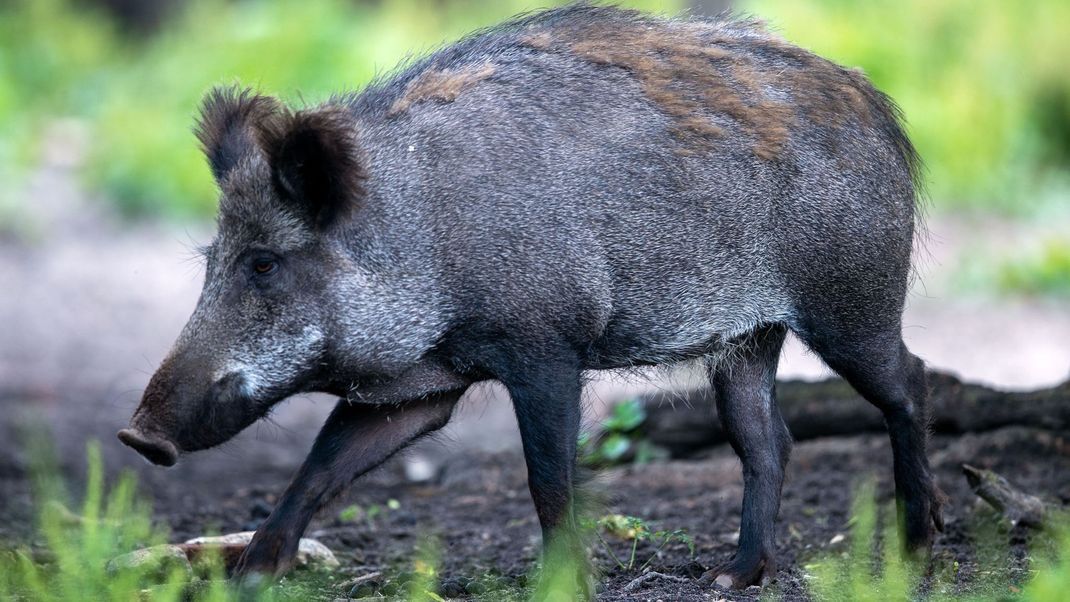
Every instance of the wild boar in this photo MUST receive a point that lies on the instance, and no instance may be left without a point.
(583, 188)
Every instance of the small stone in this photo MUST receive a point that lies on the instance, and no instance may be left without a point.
(753, 590)
(837, 538)
(311, 554)
(156, 564)
(420, 469)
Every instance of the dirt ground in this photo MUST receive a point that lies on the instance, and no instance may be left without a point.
(90, 306)
(478, 507)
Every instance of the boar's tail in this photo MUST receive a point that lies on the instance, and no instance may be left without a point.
(893, 124)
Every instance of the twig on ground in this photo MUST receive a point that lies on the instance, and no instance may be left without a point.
(646, 578)
(1017, 506)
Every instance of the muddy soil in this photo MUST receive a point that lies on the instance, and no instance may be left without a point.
(478, 507)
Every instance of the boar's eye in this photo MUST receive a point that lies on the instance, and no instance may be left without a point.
(263, 266)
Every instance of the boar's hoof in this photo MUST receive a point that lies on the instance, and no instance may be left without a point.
(737, 575)
(154, 448)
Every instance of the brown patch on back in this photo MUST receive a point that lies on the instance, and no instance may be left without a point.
(694, 71)
(539, 41)
(443, 85)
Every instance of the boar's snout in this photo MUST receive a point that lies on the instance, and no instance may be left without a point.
(186, 408)
(153, 447)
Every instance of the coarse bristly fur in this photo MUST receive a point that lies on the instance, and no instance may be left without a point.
(577, 189)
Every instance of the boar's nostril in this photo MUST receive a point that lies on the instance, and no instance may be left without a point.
(155, 449)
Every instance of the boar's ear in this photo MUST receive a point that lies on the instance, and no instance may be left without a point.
(225, 127)
(315, 162)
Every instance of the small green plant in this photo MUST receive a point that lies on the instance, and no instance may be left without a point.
(424, 583)
(620, 439)
(635, 530)
(355, 513)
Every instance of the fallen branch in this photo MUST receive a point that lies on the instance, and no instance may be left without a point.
(686, 422)
(1018, 507)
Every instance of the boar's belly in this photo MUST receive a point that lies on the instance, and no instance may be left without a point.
(674, 336)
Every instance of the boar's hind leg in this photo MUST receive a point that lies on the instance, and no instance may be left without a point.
(882, 369)
(746, 404)
(355, 439)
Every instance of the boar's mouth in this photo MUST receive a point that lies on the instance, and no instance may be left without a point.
(153, 447)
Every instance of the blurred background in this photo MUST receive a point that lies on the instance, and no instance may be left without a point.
(104, 194)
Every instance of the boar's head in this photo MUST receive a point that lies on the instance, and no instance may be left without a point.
(282, 292)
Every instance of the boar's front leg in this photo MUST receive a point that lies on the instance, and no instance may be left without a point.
(545, 391)
(746, 404)
(356, 438)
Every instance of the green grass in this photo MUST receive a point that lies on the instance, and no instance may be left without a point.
(79, 546)
(1052, 580)
(870, 568)
(424, 583)
(69, 559)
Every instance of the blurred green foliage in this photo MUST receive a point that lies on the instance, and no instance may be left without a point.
(1046, 272)
(983, 82)
(139, 95)
(1038, 267)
